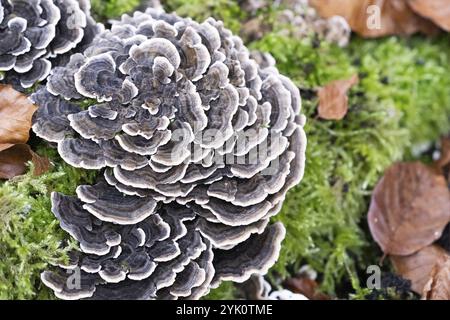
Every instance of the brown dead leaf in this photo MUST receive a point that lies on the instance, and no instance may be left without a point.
(410, 208)
(16, 111)
(333, 99)
(437, 11)
(13, 161)
(305, 286)
(444, 159)
(41, 164)
(395, 18)
(254, 29)
(5, 146)
(418, 267)
(438, 287)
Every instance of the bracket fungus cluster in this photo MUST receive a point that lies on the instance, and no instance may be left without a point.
(197, 145)
(305, 21)
(302, 19)
(35, 33)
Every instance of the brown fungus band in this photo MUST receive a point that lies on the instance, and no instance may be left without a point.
(34, 34)
(198, 146)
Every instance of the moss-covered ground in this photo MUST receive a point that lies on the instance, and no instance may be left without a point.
(400, 106)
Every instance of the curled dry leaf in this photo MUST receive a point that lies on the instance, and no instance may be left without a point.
(410, 208)
(254, 29)
(437, 11)
(13, 161)
(444, 159)
(333, 99)
(376, 18)
(16, 111)
(5, 146)
(419, 266)
(305, 286)
(438, 286)
(41, 164)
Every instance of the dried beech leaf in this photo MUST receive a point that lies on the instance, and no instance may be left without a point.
(5, 146)
(13, 161)
(254, 29)
(333, 99)
(16, 111)
(418, 267)
(395, 16)
(438, 287)
(302, 285)
(410, 208)
(305, 286)
(437, 11)
(41, 164)
(444, 159)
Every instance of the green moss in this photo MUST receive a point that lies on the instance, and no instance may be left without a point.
(30, 236)
(226, 291)
(402, 101)
(413, 75)
(227, 11)
(85, 103)
(106, 9)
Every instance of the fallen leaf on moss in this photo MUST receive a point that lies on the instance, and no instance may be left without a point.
(41, 164)
(254, 29)
(305, 286)
(438, 287)
(16, 111)
(13, 161)
(437, 11)
(410, 208)
(418, 267)
(333, 99)
(444, 158)
(394, 17)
